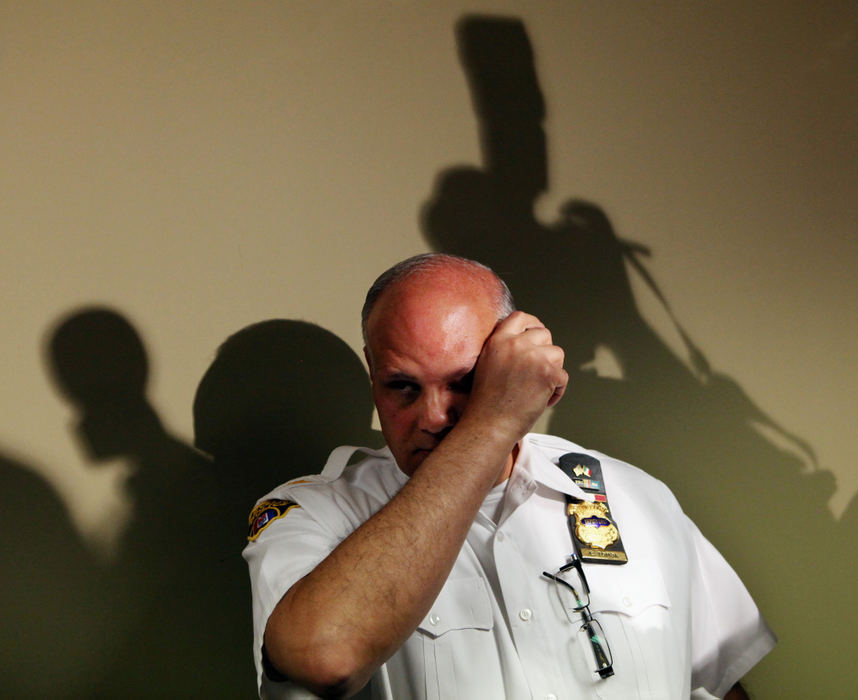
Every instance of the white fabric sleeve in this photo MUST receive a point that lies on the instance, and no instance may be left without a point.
(729, 636)
(285, 551)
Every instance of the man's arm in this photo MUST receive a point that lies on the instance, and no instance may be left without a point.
(338, 624)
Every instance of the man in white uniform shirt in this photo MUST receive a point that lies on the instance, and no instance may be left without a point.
(421, 566)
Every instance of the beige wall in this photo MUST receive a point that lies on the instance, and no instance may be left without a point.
(199, 166)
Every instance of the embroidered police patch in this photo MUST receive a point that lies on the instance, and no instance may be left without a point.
(266, 513)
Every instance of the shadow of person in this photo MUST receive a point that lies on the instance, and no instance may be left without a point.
(751, 485)
(163, 587)
(53, 626)
(277, 398)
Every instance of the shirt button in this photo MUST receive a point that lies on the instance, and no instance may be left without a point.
(501, 537)
(551, 696)
(525, 614)
(434, 619)
(627, 602)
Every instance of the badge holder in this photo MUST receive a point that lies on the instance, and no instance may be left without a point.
(595, 535)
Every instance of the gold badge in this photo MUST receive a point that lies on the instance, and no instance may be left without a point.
(593, 527)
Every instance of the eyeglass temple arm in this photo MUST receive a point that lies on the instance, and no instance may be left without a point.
(557, 579)
(604, 667)
(580, 571)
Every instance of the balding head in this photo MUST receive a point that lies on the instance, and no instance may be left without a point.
(446, 269)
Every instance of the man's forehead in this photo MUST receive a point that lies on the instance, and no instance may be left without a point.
(430, 301)
(440, 313)
(441, 287)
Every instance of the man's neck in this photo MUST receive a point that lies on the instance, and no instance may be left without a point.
(510, 463)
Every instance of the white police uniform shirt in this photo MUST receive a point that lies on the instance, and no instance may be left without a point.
(676, 616)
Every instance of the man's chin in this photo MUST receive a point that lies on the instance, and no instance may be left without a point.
(415, 459)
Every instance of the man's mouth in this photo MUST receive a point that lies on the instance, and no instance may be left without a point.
(423, 450)
(426, 448)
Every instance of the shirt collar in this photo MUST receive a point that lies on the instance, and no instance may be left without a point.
(534, 467)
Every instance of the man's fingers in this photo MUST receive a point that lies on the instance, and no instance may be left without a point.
(522, 347)
(527, 325)
(538, 336)
(559, 390)
(561, 376)
(518, 322)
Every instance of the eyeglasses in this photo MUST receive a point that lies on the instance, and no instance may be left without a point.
(573, 592)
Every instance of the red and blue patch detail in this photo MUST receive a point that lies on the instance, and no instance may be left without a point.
(266, 513)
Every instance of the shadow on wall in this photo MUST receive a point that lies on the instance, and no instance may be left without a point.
(171, 616)
(53, 615)
(753, 487)
(168, 604)
(278, 397)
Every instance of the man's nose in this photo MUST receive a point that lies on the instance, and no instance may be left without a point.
(439, 411)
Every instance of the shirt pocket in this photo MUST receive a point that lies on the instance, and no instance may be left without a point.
(628, 589)
(462, 604)
(632, 603)
(455, 635)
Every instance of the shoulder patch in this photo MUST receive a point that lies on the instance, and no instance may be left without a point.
(265, 513)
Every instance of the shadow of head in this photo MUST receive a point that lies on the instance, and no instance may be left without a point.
(97, 361)
(279, 396)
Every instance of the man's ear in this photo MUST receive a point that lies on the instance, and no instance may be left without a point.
(368, 358)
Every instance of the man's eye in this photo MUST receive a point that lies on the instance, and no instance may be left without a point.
(463, 385)
(403, 386)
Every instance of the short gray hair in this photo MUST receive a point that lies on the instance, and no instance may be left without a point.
(504, 302)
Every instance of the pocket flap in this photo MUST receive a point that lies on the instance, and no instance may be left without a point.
(463, 603)
(628, 589)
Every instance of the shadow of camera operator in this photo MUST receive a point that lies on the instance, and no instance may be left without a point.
(277, 398)
(752, 486)
(162, 588)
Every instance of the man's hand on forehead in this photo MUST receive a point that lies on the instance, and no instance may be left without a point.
(519, 373)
